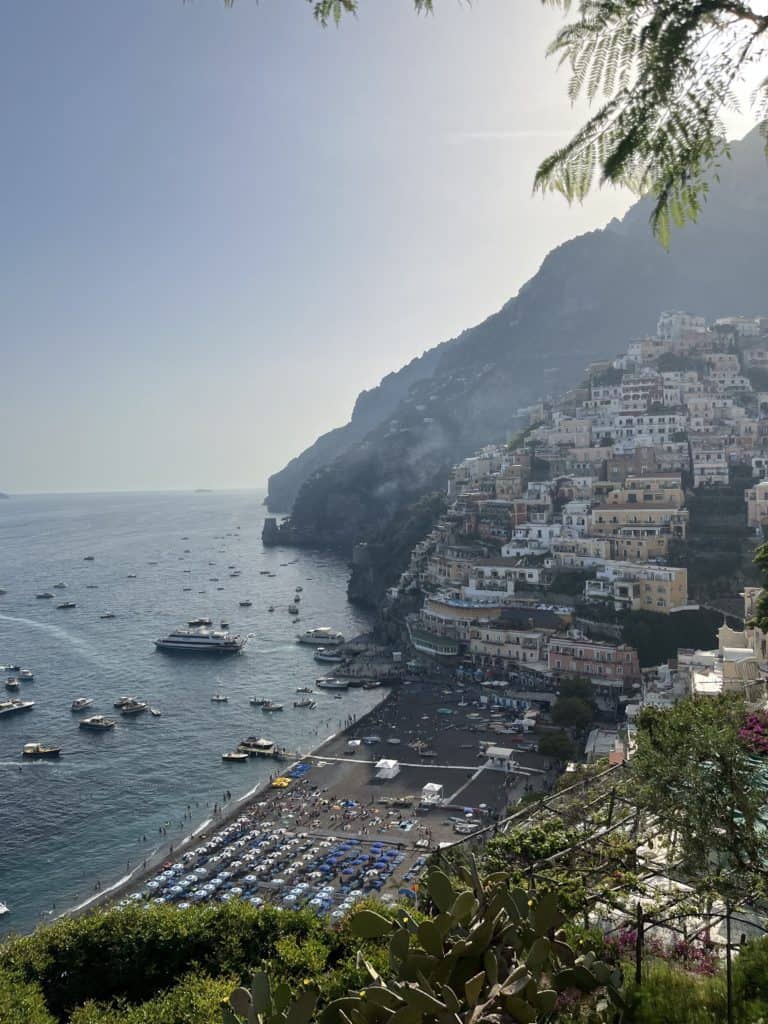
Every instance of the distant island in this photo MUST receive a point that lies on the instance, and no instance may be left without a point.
(203, 490)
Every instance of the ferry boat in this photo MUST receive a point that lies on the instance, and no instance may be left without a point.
(271, 705)
(10, 707)
(67, 604)
(321, 636)
(257, 747)
(98, 723)
(201, 641)
(39, 751)
(134, 707)
(26, 675)
(45, 595)
(332, 684)
(308, 703)
(326, 655)
(238, 756)
(81, 703)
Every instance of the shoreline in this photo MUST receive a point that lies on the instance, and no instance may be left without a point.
(102, 898)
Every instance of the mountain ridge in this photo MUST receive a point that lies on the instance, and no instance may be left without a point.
(590, 296)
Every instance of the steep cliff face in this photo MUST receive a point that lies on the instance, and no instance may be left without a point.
(590, 296)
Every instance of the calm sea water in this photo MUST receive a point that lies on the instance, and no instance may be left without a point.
(65, 824)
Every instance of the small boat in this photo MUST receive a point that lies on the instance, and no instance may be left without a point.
(271, 705)
(97, 723)
(321, 636)
(299, 589)
(10, 668)
(239, 756)
(224, 624)
(304, 689)
(264, 572)
(332, 684)
(59, 586)
(45, 595)
(134, 707)
(39, 751)
(12, 706)
(271, 608)
(91, 586)
(4, 909)
(292, 609)
(122, 701)
(81, 703)
(107, 615)
(26, 675)
(155, 713)
(246, 604)
(372, 684)
(219, 698)
(193, 623)
(259, 702)
(296, 598)
(67, 604)
(325, 654)
(12, 685)
(257, 747)
(131, 576)
(308, 703)
(187, 590)
(89, 558)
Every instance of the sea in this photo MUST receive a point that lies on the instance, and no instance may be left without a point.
(159, 560)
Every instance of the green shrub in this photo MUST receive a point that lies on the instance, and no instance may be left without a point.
(21, 1002)
(196, 999)
(670, 996)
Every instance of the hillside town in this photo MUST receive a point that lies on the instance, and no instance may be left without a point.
(550, 541)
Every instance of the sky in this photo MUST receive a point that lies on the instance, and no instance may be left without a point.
(220, 225)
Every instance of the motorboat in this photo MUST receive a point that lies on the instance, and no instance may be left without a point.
(299, 589)
(4, 909)
(238, 756)
(194, 623)
(271, 705)
(332, 684)
(26, 675)
(67, 604)
(321, 636)
(97, 723)
(81, 703)
(155, 712)
(246, 604)
(219, 698)
(296, 598)
(12, 685)
(304, 689)
(201, 641)
(134, 707)
(38, 750)
(257, 747)
(372, 684)
(293, 609)
(259, 702)
(308, 703)
(107, 615)
(45, 595)
(89, 558)
(271, 608)
(131, 576)
(12, 706)
(224, 625)
(328, 655)
(59, 586)
(122, 701)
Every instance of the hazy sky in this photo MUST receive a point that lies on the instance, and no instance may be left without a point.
(218, 226)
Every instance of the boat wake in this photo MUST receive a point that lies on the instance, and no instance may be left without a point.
(46, 627)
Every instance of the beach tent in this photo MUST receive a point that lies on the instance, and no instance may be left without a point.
(431, 794)
(386, 768)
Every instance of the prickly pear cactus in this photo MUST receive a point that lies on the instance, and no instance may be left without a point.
(262, 1005)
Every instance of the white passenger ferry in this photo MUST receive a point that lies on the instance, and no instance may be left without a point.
(201, 641)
